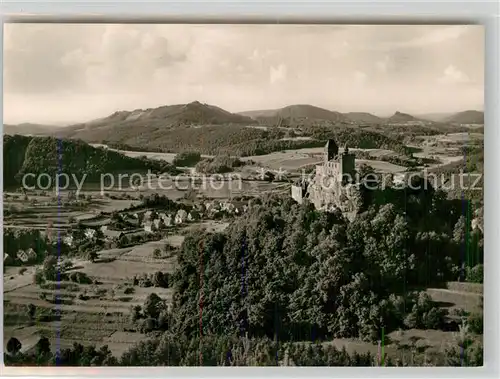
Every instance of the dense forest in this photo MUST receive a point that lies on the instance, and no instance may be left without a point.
(284, 274)
(37, 155)
(244, 141)
(286, 271)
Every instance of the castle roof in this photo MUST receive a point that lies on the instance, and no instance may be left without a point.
(331, 144)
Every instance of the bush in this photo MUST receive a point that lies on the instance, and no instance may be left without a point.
(433, 319)
(79, 277)
(83, 297)
(128, 291)
(475, 274)
(475, 322)
(135, 313)
(425, 314)
(219, 165)
(22, 270)
(164, 320)
(187, 159)
(38, 277)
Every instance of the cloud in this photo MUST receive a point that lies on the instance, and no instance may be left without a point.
(439, 35)
(277, 74)
(420, 36)
(360, 77)
(384, 64)
(84, 71)
(452, 75)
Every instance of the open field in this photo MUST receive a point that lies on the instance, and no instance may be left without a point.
(103, 318)
(291, 160)
(169, 157)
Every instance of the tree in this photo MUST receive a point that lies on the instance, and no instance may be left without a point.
(50, 267)
(365, 170)
(160, 279)
(475, 274)
(13, 346)
(31, 311)
(124, 241)
(152, 306)
(42, 347)
(148, 325)
(38, 277)
(157, 253)
(92, 256)
(460, 230)
(135, 313)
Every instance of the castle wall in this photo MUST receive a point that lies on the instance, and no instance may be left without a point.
(327, 192)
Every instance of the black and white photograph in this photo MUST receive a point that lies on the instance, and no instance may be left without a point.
(185, 194)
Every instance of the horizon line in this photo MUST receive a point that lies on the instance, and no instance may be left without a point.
(377, 114)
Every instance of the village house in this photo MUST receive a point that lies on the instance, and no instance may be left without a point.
(90, 233)
(131, 220)
(181, 216)
(167, 219)
(68, 240)
(147, 216)
(26, 256)
(157, 223)
(212, 206)
(228, 207)
(112, 234)
(149, 226)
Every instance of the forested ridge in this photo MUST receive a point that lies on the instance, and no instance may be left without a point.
(286, 271)
(49, 155)
(237, 140)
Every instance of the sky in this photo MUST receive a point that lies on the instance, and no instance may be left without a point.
(70, 73)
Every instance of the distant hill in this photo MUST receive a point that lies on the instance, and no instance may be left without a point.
(466, 117)
(297, 115)
(30, 129)
(363, 117)
(435, 117)
(401, 118)
(37, 155)
(142, 123)
(260, 113)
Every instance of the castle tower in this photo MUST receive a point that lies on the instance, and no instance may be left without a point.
(347, 165)
(331, 150)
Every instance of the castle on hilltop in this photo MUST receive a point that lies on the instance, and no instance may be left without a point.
(333, 185)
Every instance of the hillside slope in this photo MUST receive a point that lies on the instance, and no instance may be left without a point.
(363, 117)
(48, 155)
(297, 115)
(466, 117)
(142, 123)
(399, 118)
